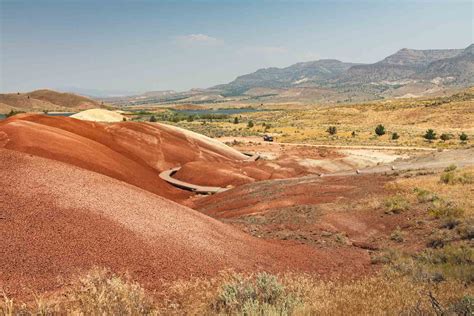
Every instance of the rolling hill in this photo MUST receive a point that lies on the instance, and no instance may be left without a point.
(46, 100)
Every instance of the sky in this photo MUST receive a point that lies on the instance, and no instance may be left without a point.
(135, 46)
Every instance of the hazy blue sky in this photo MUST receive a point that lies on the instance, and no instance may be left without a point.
(158, 45)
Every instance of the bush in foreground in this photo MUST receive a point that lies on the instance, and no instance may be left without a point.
(99, 292)
(262, 295)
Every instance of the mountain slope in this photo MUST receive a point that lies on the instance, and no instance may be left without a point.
(313, 71)
(410, 64)
(416, 57)
(460, 67)
(425, 68)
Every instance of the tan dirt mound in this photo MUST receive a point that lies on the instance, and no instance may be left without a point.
(99, 115)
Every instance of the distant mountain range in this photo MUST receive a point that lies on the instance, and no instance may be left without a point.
(407, 73)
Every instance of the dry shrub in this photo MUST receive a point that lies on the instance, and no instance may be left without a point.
(442, 209)
(396, 204)
(101, 292)
(451, 263)
(397, 235)
(262, 294)
(377, 296)
(429, 189)
(193, 296)
(98, 292)
(304, 294)
(452, 176)
(425, 196)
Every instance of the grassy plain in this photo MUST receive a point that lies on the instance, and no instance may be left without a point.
(355, 123)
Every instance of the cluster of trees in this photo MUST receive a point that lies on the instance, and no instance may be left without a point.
(430, 134)
(13, 112)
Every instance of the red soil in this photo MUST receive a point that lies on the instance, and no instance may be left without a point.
(266, 195)
(235, 173)
(127, 151)
(309, 208)
(57, 219)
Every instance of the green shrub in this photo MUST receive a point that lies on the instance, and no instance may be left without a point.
(445, 209)
(262, 295)
(250, 124)
(466, 178)
(450, 222)
(12, 113)
(438, 239)
(397, 235)
(380, 130)
(463, 137)
(444, 137)
(430, 135)
(448, 177)
(395, 136)
(466, 229)
(332, 130)
(152, 119)
(425, 196)
(396, 204)
(449, 262)
(464, 306)
(462, 255)
(451, 167)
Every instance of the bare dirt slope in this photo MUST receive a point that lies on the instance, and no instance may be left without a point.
(136, 152)
(264, 196)
(127, 151)
(57, 219)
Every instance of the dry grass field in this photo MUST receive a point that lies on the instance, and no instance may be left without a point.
(355, 123)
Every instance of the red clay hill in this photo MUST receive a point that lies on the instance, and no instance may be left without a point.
(57, 219)
(136, 152)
